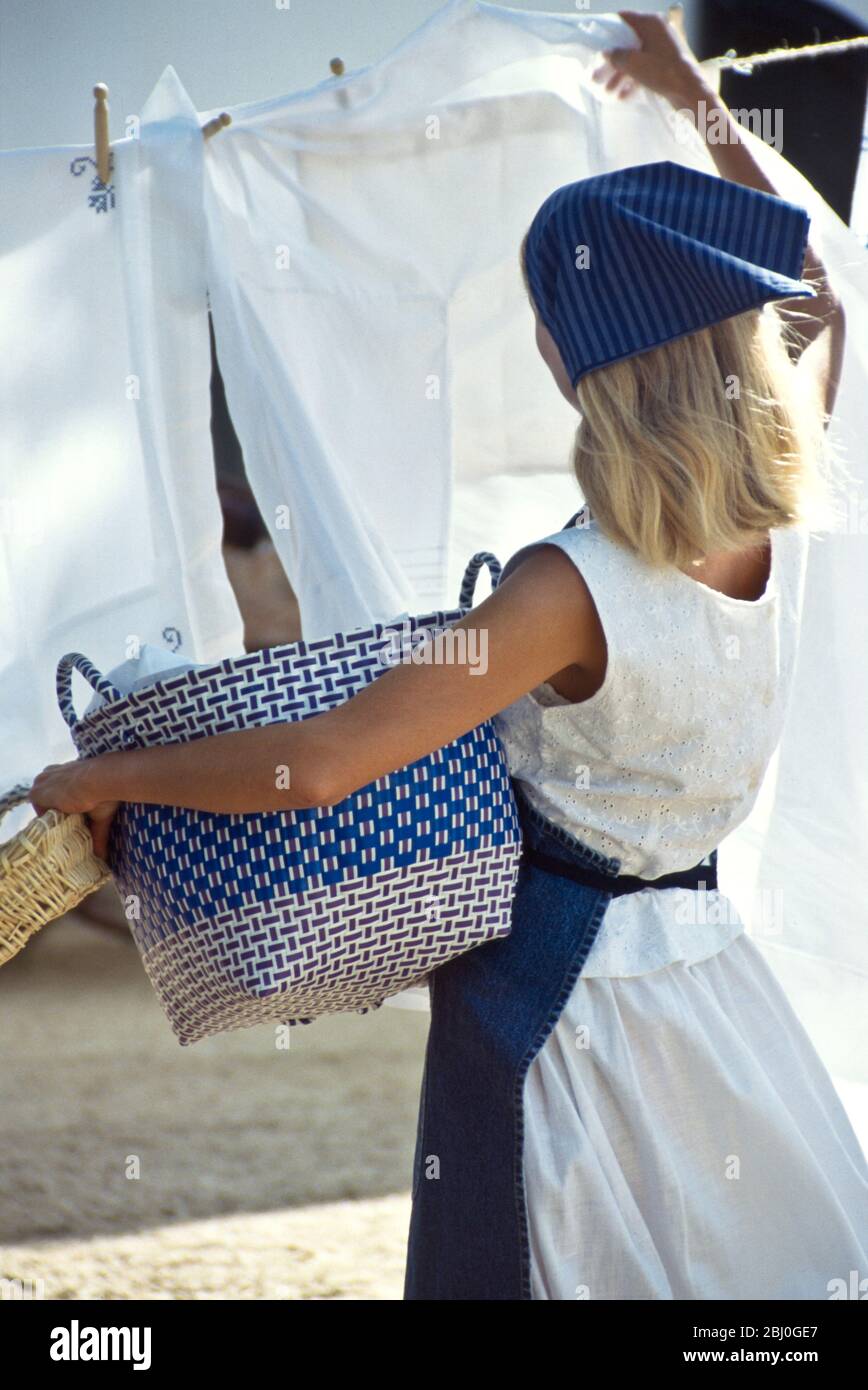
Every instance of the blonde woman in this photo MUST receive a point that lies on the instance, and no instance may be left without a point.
(619, 1102)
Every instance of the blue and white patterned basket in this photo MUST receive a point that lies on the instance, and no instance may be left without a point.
(285, 916)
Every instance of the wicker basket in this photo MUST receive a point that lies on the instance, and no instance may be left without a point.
(45, 870)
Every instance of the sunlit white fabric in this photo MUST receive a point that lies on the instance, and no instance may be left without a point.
(373, 334)
(109, 521)
(683, 1141)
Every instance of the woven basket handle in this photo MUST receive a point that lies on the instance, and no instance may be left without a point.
(14, 797)
(468, 583)
(65, 666)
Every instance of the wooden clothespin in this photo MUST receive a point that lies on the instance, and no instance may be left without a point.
(336, 67)
(216, 123)
(101, 132)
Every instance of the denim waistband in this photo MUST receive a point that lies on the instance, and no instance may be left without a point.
(555, 850)
(701, 876)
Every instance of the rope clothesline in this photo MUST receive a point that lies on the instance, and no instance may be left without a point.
(746, 64)
(729, 60)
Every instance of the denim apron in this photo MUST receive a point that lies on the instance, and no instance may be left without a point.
(491, 1011)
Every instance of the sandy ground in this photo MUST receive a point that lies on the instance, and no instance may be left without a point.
(261, 1173)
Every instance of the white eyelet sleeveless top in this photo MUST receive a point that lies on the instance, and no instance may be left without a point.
(668, 756)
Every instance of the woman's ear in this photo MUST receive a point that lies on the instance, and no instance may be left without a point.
(550, 354)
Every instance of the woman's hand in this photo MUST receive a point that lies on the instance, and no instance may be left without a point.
(664, 64)
(73, 787)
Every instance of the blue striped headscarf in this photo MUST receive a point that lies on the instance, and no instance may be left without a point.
(619, 263)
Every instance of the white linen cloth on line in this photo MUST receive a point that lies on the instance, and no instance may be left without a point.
(373, 334)
(805, 843)
(380, 365)
(110, 525)
(682, 1138)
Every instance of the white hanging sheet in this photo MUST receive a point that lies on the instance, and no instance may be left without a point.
(373, 335)
(395, 416)
(109, 521)
(806, 846)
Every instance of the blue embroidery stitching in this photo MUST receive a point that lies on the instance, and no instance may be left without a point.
(102, 195)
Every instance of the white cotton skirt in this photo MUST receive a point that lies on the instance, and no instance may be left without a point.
(683, 1140)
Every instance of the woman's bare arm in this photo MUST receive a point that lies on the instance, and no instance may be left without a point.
(541, 619)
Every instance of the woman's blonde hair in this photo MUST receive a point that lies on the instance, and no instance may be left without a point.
(702, 444)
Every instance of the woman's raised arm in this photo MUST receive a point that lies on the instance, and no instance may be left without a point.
(665, 65)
